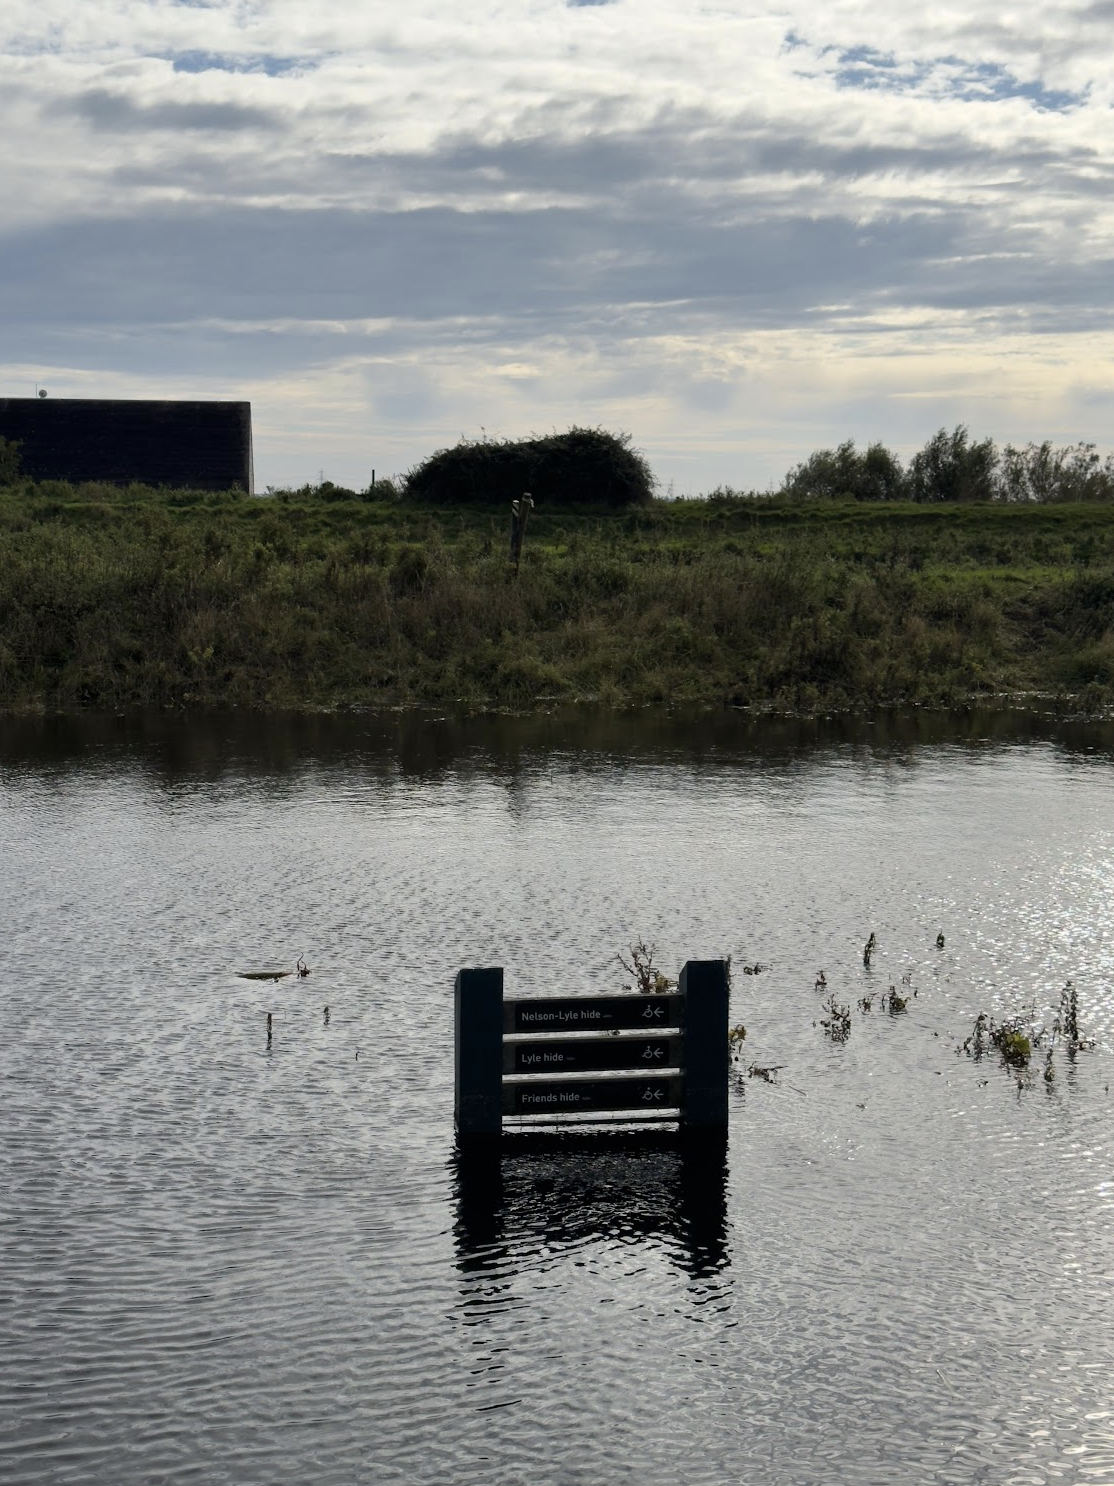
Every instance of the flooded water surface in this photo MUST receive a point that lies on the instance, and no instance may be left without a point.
(224, 1259)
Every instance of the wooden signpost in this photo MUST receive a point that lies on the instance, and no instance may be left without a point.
(556, 1059)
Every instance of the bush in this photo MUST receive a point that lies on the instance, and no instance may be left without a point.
(832, 474)
(584, 467)
(951, 468)
(9, 461)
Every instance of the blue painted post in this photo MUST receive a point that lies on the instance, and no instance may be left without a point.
(479, 1052)
(704, 986)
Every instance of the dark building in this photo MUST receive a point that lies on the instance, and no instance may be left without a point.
(199, 445)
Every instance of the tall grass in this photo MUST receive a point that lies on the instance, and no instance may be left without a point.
(139, 599)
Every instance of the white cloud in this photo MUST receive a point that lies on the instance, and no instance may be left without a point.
(723, 229)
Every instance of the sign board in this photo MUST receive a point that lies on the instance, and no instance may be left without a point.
(588, 1054)
(579, 1096)
(544, 1058)
(200, 445)
(592, 1013)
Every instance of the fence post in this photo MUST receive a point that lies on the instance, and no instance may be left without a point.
(479, 1051)
(520, 512)
(704, 986)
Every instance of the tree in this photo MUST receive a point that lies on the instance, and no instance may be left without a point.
(1041, 473)
(951, 468)
(833, 474)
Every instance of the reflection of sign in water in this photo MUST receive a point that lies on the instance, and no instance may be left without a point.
(640, 1058)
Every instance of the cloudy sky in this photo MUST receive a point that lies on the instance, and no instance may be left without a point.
(738, 232)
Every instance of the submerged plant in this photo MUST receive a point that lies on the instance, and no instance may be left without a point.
(837, 1023)
(649, 980)
(1066, 1023)
(1017, 1037)
(1016, 1048)
(893, 1002)
(1013, 1038)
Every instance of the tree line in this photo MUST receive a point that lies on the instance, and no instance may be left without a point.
(954, 467)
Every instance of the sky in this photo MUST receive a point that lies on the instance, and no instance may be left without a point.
(737, 233)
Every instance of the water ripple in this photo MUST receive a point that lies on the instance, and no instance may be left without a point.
(223, 1260)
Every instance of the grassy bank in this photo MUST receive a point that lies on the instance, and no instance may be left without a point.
(137, 599)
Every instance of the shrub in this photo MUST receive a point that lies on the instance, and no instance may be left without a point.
(9, 461)
(584, 467)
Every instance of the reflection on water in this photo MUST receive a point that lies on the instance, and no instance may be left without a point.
(232, 1257)
(427, 745)
(531, 1192)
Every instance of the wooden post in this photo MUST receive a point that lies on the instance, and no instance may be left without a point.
(704, 986)
(520, 511)
(479, 1052)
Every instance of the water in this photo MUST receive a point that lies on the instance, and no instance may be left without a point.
(223, 1261)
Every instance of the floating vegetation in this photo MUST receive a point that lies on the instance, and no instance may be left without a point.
(767, 1073)
(649, 980)
(754, 969)
(866, 1003)
(837, 1023)
(939, 941)
(735, 1039)
(264, 974)
(869, 948)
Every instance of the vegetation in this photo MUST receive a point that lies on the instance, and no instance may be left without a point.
(951, 467)
(647, 979)
(137, 598)
(1016, 1037)
(9, 461)
(584, 467)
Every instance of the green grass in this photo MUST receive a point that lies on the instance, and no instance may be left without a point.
(128, 599)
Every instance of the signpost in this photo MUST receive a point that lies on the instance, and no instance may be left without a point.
(640, 1059)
